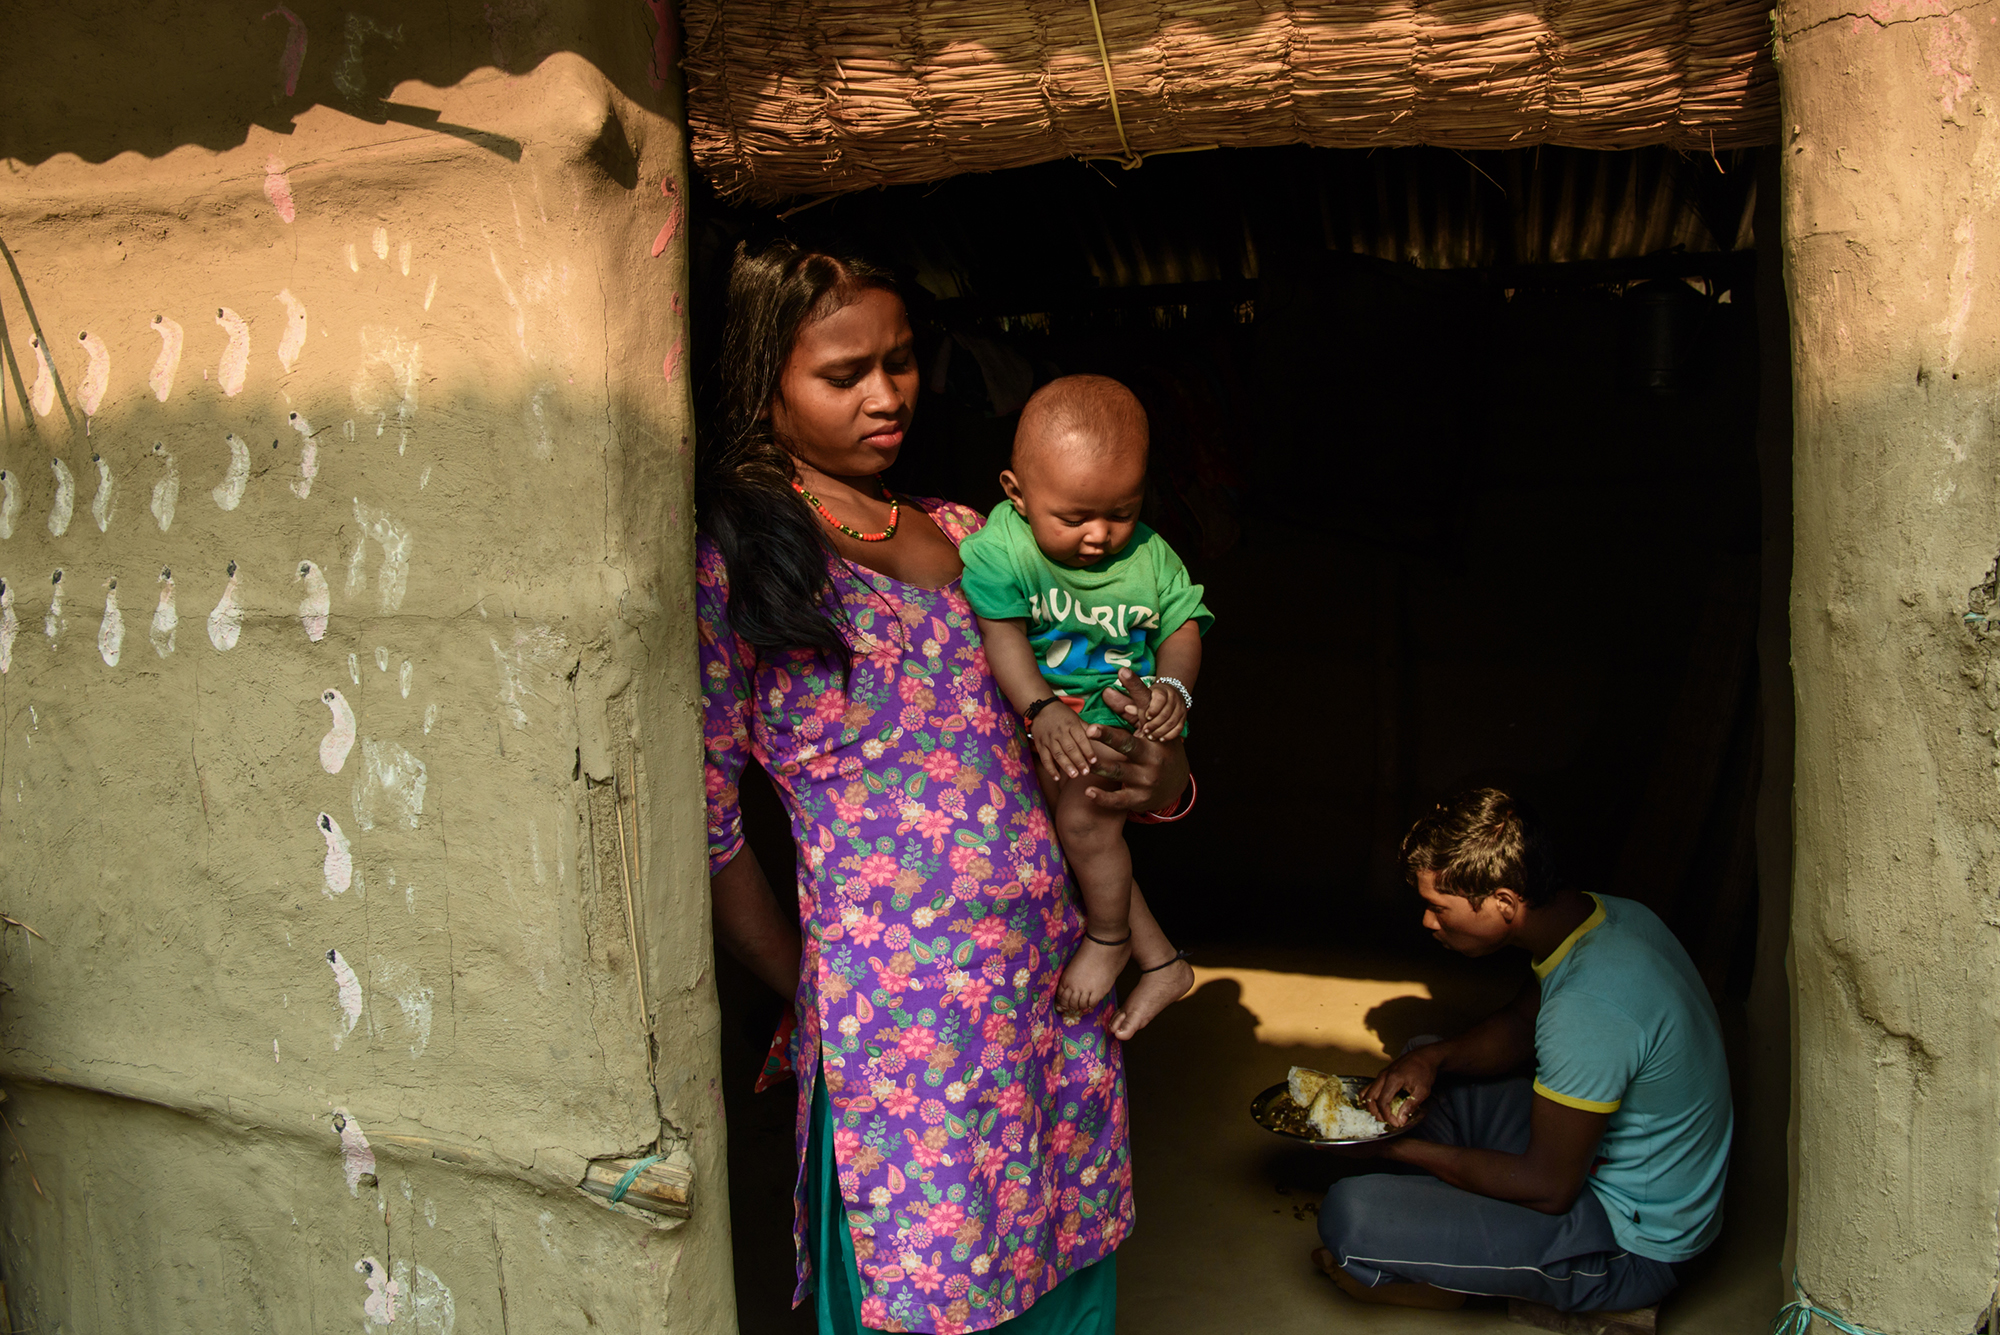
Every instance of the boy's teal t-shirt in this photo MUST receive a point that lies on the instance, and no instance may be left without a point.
(1083, 624)
(1627, 1028)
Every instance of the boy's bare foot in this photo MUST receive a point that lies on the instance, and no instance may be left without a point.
(1388, 1295)
(1156, 990)
(1091, 972)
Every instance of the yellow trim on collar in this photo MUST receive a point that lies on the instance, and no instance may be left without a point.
(1543, 967)
(1587, 1105)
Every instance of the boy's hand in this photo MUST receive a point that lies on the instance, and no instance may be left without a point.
(1062, 741)
(1165, 714)
(1401, 1088)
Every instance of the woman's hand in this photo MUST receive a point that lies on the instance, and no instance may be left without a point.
(1154, 774)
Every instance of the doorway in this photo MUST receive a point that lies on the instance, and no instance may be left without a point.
(1466, 449)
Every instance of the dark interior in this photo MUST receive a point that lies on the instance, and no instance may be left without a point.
(1464, 448)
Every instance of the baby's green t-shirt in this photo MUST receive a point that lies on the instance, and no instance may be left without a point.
(1083, 624)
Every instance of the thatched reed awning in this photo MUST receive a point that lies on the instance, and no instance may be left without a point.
(791, 97)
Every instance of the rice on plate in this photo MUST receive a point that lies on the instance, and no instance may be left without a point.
(1329, 1108)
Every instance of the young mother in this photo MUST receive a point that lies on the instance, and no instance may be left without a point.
(962, 1146)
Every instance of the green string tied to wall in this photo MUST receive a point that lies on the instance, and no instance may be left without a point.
(1796, 1317)
(632, 1175)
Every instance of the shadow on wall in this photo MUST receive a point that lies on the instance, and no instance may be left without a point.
(154, 77)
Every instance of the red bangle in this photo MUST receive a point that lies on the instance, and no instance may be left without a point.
(1167, 815)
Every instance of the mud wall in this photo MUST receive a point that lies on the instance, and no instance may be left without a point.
(346, 676)
(1892, 204)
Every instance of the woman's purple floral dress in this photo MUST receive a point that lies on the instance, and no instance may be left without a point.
(980, 1139)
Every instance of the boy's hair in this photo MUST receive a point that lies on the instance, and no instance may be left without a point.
(1479, 841)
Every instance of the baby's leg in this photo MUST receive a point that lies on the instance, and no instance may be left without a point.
(1094, 841)
(1164, 973)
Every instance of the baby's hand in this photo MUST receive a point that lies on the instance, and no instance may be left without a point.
(1166, 713)
(1062, 741)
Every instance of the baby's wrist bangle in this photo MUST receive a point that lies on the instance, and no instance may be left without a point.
(1187, 697)
(1028, 714)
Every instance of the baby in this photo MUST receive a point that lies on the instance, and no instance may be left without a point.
(1069, 587)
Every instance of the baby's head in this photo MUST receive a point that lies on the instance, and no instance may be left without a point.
(1079, 470)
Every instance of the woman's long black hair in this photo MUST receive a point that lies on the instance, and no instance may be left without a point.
(775, 550)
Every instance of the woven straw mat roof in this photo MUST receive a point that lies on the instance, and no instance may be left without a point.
(813, 97)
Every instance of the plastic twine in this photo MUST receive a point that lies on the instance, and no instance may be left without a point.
(1796, 1317)
(1130, 158)
(631, 1176)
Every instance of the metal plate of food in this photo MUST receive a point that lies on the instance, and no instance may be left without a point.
(1277, 1111)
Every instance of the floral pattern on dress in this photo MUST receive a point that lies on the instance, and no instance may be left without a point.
(980, 1138)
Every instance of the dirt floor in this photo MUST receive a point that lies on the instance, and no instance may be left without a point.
(1227, 1210)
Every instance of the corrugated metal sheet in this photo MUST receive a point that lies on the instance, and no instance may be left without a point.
(1225, 217)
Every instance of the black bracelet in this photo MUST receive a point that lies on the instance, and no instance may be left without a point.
(1028, 714)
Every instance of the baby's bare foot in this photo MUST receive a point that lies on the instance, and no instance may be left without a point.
(1091, 973)
(1155, 991)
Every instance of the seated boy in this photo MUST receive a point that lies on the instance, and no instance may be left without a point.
(1070, 587)
(1581, 1187)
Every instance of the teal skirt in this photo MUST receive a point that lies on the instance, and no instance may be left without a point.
(1086, 1303)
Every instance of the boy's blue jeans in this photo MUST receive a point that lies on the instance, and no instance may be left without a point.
(1400, 1228)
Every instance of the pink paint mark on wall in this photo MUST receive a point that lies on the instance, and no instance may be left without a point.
(96, 375)
(225, 623)
(236, 354)
(673, 223)
(279, 190)
(356, 1158)
(228, 493)
(42, 398)
(10, 503)
(294, 58)
(672, 362)
(380, 1304)
(1950, 54)
(350, 993)
(166, 617)
(111, 630)
(317, 603)
(308, 457)
(339, 739)
(296, 324)
(162, 379)
(64, 506)
(666, 41)
(339, 865)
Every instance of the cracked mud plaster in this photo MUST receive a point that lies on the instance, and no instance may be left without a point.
(401, 903)
(1886, 14)
(1889, 214)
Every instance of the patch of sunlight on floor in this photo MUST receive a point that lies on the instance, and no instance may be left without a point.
(1312, 1010)
(1228, 1212)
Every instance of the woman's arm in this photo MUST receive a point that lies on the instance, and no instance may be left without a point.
(752, 927)
(1153, 773)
